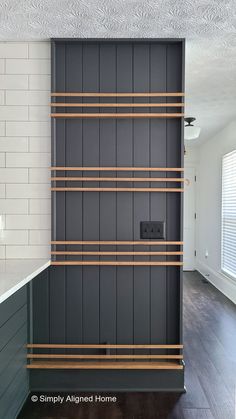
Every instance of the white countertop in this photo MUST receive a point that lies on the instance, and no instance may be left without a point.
(15, 273)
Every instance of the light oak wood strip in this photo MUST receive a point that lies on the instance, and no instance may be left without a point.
(68, 189)
(117, 105)
(106, 365)
(62, 356)
(117, 115)
(126, 94)
(119, 169)
(116, 179)
(101, 346)
(113, 263)
(117, 253)
(119, 242)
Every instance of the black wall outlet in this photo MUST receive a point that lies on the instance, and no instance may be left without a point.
(152, 230)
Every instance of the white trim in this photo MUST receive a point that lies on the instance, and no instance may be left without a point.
(222, 282)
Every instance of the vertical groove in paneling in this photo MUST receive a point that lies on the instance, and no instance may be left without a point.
(108, 205)
(141, 202)
(158, 157)
(91, 201)
(174, 81)
(124, 201)
(57, 276)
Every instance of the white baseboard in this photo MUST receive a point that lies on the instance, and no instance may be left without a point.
(224, 284)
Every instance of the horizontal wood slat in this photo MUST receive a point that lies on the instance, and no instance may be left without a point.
(62, 356)
(101, 346)
(106, 365)
(118, 242)
(68, 189)
(118, 169)
(115, 94)
(113, 263)
(117, 253)
(116, 179)
(117, 105)
(117, 115)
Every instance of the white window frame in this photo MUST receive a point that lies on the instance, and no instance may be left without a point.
(224, 270)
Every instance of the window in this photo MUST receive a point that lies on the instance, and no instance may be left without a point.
(228, 249)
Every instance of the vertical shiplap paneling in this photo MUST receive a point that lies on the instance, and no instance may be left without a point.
(141, 146)
(74, 218)
(158, 200)
(90, 200)
(14, 380)
(40, 308)
(57, 289)
(174, 83)
(108, 200)
(124, 200)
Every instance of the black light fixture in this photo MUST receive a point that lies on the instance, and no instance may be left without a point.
(190, 131)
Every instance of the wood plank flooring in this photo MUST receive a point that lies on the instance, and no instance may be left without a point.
(210, 373)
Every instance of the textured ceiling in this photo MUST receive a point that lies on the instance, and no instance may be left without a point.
(208, 26)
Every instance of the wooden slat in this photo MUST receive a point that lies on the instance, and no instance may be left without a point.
(117, 115)
(127, 94)
(101, 346)
(119, 169)
(117, 105)
(62, 356)
(106, 365)
(71, 189)
(116, 179)
(118, 242)
(113, 263)
(116, 253)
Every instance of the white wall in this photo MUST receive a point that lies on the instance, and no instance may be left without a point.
(24, 149)
(208, 206)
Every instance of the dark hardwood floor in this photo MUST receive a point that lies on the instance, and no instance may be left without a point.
(210, 357)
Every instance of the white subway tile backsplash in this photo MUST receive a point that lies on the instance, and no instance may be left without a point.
(33, 190)
(2, 160)
(2, 252)
(29, 129)
(39, 82)
(28, 252)
(14, 144)
(40, 206)
(19, 82)
(38, 175)
(38, 51)
(34, 97)
(28, 159)
(25, 144)
(21, 66)
(40, 237)
(13, 113)
(14, 206)
(14, 237)
(27, 222)
(2, 66)
(39, 144)
(2, 191)
(13, 50)
(13, 175)
(2, 97)
(39, 113)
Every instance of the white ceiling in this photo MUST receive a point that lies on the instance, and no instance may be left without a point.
(208, 26)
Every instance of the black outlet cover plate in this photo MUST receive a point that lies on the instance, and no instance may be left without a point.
(152, 230)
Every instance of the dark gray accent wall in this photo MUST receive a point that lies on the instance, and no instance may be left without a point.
(14, 383)
(113, 304)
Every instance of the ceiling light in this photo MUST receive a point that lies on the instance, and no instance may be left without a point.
(190, 131)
